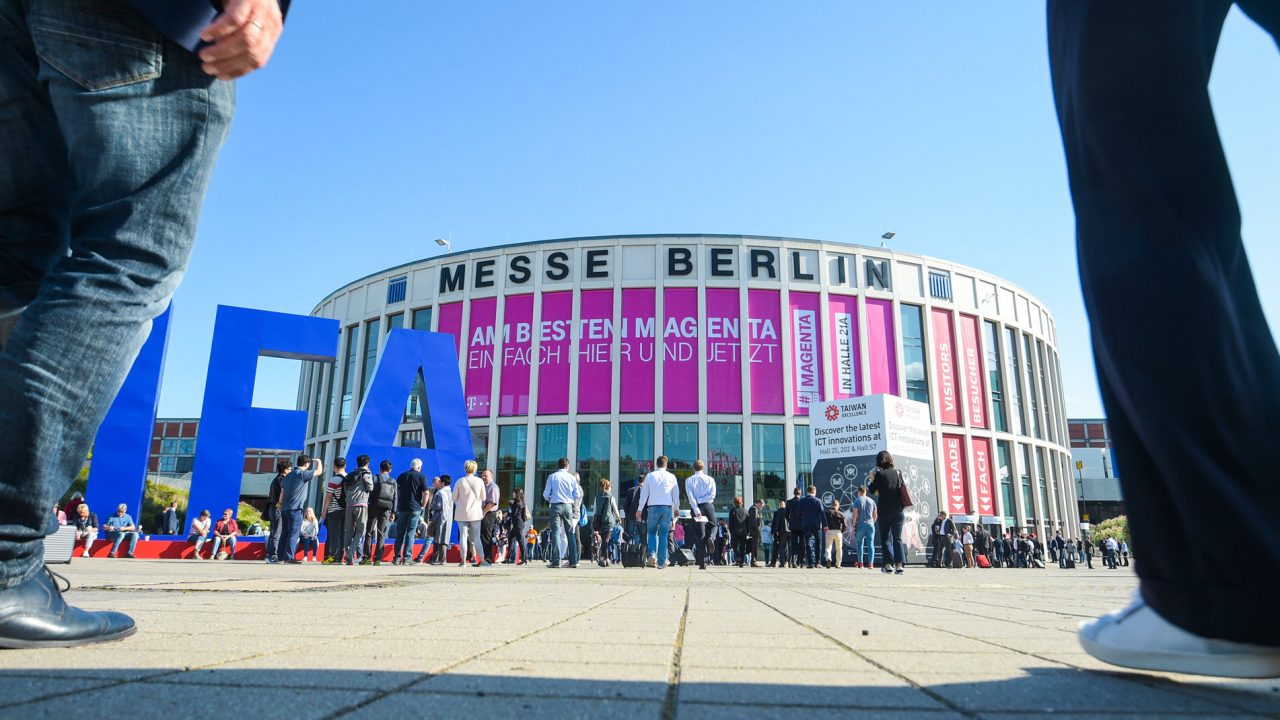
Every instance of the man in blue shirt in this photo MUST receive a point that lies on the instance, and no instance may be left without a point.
(564, 494)
(864, 530)
(120, 527)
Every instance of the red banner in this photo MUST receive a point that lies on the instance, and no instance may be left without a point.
(944, 358)
(974, 382)
(953, 470)
(982, 476)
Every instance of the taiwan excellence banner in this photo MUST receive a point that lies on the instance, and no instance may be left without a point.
(944, 358)
(680, 350)
(955, 475)
(764, 351)
(974, 382)
(845, 369)
(724, 351)
(636, 350)
(882, 354)
(481, 340)
(554, 334)
(982, 476)
(517, 355)
(595, 351)
(806, 358)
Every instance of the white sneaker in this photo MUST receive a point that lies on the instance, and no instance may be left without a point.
(651, 562)
(1137, 637)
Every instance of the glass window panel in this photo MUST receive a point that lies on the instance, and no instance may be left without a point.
(422, 319)
(1028, 505)
(370, 356)
(635, 453)
(768, 465)
(995, 375)
(553, 444)
(508, 472)
(1015, 378)
(592, 462)
(913, 357)
(480, 447)
(395, 322)
(724, 462)
(1003, 472)
(804, 465)
(169, 447)
(184, 464)
(680, 445)
(1046, 391)
(1042, 486)
(1028, 357)
(186, 447)
(411, 438)
(348, 376)
(168, 464)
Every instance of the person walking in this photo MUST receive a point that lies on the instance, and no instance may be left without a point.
(864, 529)
(334, 514)
(468, 513)
(889, 488)
(489, 524)
(605, 517)
(357, 487)
(310, 535)
(382, 507)
(833, 537)
(518, 523)
(563, 493)
(781, 537)
(813, 523)
(660, 496)
(441, 521)
(755, 530)
(630, 506)
(411, 497)
(1086, 547)
(701, 489)
(738, 531)
(295, 488)
(275, 492)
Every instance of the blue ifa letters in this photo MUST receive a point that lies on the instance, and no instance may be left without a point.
(230, 424)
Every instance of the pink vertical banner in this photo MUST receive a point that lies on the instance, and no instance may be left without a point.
(451, 323)
(595, 351)
(517, 355)
(944, 358)
(481, 339)
(636, 350)
(982, 476)
(724, 351)
(764, 351)
(975, 386)
(845, 367)
(680, 350)
(554, 332)
(955, 477)
(882, 349)
(806, 353)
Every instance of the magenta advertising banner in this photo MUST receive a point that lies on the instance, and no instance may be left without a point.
(982, 476)
(451, 322)
(955, 479)
(724, 351)
(845, 370)
(975, 390)
(517, 355)
(554, 331)
(806, 356)
(882, 352)
(636, 350)
(680, 350)
(764, 351)
(944, 358)
(595, 351)
(481, 339)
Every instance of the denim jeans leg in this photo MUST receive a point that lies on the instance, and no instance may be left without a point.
(660, 520)
(116, 139)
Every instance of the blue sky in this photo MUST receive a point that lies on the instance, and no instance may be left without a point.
(380, 126)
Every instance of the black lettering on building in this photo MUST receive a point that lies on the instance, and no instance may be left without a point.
(597, 263)
(520, 272)
(722, 262)
(557, 265)
(878, 277)
(796, 272)
(763, 260)
(456, 281)
(679, 262)
(484, 273)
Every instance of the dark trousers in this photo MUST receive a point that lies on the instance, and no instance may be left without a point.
(375, 534)
(781, 544)
(742, 549)
(703, 533)
(289, 532)
(811, 538)
(273, 538)
(489, 534)
(1158, 236)
(797, 547)
(941, 555)
(333, 540)
(889, 532)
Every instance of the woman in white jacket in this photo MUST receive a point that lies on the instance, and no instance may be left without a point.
(468, 511)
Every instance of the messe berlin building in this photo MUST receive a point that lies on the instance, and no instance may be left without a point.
(613, 350)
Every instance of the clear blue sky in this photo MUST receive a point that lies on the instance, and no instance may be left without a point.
(380, 126)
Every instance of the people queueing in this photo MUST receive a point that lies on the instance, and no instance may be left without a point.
(357, 486)
(794, 511)
(334, 515)
(382, 507)
(781, 537)
(755, 527)
(738, 531)
(864, 530)
(411, 498)
(833, 537)
(813, 523)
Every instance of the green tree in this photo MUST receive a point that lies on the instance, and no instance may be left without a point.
(1116, 527)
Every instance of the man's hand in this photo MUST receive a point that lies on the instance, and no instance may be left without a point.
(243, 38)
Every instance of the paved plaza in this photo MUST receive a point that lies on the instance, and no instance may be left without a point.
(247, 639)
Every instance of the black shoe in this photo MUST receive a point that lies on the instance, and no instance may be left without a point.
(34, 615)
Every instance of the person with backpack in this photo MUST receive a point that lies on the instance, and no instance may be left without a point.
(604, 519)
(357, 486)
(517, 522)
(892, 500)
(382, 506)
(334, 514)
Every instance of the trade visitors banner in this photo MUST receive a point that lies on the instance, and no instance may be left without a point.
(845, 369)
(680, 350)
(517, 352)
(844, 438)
(764, 351)
(882, 354)
(983, 476)
(975, 390)
(595, 351)
(481, 340)
(955, 475)
(554, 333)
(637, 350)
(806, 358)
(724, 350)
(944, 358)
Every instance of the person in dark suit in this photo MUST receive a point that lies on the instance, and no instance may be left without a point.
(738, 531)
(755, 524)
(793, 519)
(631, 504)
(781, 537)
(813, 523)
(169, 520)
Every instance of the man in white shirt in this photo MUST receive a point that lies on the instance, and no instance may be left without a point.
(564, 494)
(701, 489)
(660, 493)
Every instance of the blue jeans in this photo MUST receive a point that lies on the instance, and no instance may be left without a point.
(659, 526)
(108, 139)
(217, 543)
(198, 540)
(406, 526)
(562, 523)
(117, 537)
(290, 530)
(864, 543)
(310, 546)
(890, 531)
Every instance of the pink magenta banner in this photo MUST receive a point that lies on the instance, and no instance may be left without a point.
(636, 350)
(724, 351)
(451, 322)
(975, 390)
(882, 353)
(764, 351)
(806, 357)
(956, 479)
(481, 339)
(680, 350)
(554, 331)
(944, 358)
(517, 352)
(595, 351)
(845, 370)
(982, 476)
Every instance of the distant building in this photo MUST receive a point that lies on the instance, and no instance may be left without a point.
(1097, 481)
(173, 454)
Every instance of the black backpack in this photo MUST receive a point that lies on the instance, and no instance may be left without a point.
(384, 495)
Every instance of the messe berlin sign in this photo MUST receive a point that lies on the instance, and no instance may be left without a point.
(845, 437)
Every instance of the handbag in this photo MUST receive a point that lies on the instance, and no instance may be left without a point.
(904, 494)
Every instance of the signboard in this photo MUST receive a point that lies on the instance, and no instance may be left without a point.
(844, 438)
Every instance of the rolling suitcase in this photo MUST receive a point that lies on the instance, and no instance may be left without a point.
(684, 557)
(957, 559)
(633, 555)
(1069, 564)
(982, 561)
